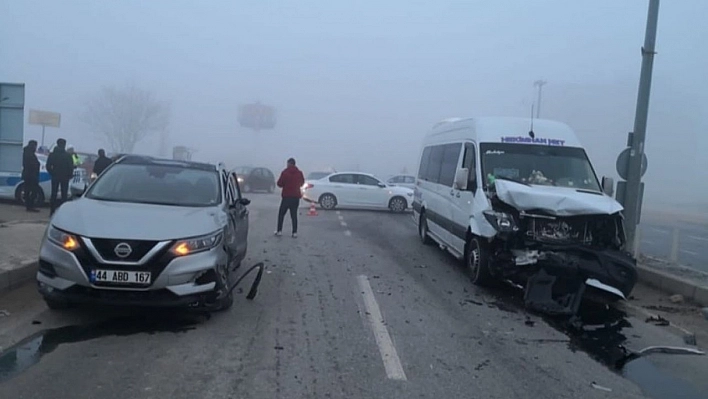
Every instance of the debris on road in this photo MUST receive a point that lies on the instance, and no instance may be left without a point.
(530, 322)
(482, 365)
(4, 313)
(678, 298)
(279, 348)
(600, 387)
(657, 320)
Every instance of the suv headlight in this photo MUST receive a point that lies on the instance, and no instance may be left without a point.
(503, 222)
(63, 239)
(194, 245)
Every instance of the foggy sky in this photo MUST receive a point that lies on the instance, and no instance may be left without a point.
(358, 84)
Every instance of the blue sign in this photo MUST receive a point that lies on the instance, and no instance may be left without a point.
(535, 140)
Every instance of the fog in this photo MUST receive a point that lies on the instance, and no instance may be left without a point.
(357, 84)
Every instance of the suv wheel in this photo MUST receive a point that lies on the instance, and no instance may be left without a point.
(398, 204)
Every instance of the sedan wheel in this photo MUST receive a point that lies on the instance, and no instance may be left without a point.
(398, 204)
(328, 202)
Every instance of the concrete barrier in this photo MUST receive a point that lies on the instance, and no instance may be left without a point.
(673, 285)
(11, 278)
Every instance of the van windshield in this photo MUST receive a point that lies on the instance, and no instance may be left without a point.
(539, 165)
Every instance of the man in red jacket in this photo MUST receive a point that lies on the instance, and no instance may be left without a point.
(291, 181)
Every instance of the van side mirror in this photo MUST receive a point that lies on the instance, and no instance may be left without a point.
(608, 185)
(462, 177)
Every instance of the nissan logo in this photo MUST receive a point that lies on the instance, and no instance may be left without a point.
(123, 250)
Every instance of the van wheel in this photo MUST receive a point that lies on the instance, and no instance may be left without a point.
(398, 204)
(328, 202)
(477, 261)
(423, 231)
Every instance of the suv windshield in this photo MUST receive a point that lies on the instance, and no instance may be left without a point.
(157, 184)
(538, 164)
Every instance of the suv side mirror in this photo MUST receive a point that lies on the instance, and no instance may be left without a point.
(462, 177)
(244, 201)
(608, 185)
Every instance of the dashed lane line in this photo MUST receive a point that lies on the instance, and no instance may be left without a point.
(392, 364)
(347, 233)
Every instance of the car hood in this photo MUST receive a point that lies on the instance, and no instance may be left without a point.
(123, 220)
(557, 201)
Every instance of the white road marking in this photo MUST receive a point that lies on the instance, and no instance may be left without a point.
(689, 252)
(392, 364)
(647, 242)
(339, 212)
(348, 233)
(658, 230)
(343, 223)
(341, 217)
(698, 238)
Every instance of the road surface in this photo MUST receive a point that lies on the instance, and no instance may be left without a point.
(355, 307)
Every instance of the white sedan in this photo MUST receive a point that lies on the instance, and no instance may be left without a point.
(357, 190)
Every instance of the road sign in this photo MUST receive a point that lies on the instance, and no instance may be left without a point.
(44, 118)
(256, 116)
(623, 163)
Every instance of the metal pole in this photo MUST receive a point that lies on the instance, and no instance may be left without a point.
(539, 84)
(42, 135)
(631, 206)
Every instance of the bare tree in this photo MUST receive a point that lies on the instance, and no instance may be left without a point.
(124, 117)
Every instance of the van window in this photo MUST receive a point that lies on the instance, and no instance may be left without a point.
(424, 162)
(436, 157)
(470, 157)
(451, 156)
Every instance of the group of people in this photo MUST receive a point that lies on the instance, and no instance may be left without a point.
(61, 163)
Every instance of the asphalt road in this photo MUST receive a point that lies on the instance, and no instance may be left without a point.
(657, 240)
(355, 307)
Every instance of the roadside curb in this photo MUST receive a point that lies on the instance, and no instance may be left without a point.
(11, 279)
(673, 285)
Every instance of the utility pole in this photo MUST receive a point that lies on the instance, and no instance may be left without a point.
(539, 83)
(634, 187)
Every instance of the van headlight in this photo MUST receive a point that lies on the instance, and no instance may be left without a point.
(61, 238)
(194, 245)
(503, 222)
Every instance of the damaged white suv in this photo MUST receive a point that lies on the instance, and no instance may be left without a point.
(521, 202)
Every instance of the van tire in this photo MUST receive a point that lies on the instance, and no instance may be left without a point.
(477, 262)
(423, 231)
(328, 202)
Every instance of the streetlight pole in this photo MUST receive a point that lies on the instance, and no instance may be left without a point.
(539, 83)
(633, 193)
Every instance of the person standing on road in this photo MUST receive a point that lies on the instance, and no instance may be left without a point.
(30, 175)
(101, 163)
(60, 165)
(291, 181)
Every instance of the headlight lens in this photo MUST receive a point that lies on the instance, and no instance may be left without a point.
(197, 244)
(503, 222)
(240, 179)
(65, 240)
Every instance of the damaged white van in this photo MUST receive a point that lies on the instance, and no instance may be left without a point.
(519, 200)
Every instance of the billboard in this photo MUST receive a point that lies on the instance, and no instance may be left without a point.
(44, 118)
(256, 116)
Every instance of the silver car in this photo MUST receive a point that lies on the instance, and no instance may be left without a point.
(147, 232)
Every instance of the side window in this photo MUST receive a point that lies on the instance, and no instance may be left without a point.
(343, 178)
(469, 161)
(424, 162)
(436, 158)
(225, 186)
(410, 179)
(367, 180)
(395, 179)
(235, 189)
(451, 157)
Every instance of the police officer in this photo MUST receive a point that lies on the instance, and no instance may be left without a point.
(60, 165)
(30, 175)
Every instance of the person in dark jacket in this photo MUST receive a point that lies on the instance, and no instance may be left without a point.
(60, 165)
(291, 181)
(101, 163)
(30, 175)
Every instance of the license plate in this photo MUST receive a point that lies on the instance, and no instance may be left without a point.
(120, 277)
